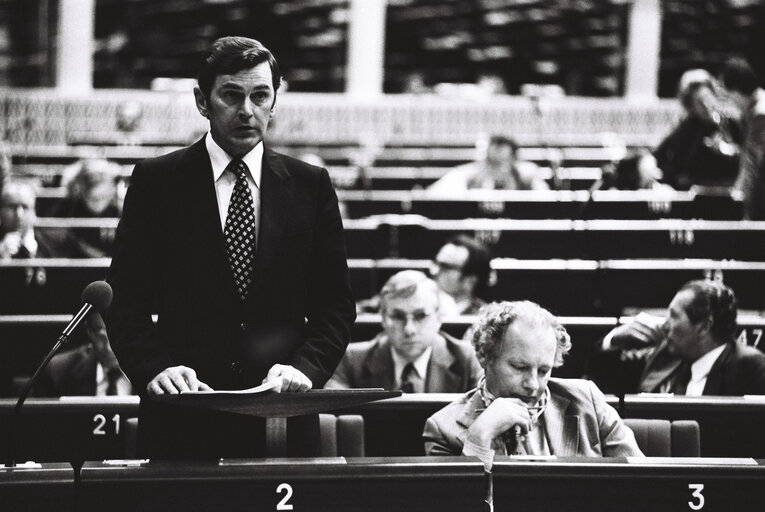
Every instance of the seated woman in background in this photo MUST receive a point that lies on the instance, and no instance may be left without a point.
(703, 148)
(92, 193)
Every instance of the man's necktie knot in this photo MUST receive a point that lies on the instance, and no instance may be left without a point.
(240, 229)
(408, 376)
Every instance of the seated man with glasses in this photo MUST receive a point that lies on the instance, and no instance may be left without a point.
(411, 353)
(517, 408)
(462, 268)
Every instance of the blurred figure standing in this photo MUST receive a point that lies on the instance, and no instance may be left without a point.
(742, 85)
(703, 148)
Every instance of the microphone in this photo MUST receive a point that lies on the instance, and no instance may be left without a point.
(96, 297)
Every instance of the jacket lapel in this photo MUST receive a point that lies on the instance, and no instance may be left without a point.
(440, 375)
(204, 220)
(714, 379)
(377, 370)
(562, 430)
(276, 197)
(658, 368)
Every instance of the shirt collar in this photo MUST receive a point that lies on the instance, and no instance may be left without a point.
(219, 159)
(420, 364)
(702, 366)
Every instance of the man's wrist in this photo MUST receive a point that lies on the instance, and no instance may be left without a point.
(483, 452)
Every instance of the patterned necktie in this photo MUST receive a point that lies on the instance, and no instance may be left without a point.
(240, 229)
(408, 376)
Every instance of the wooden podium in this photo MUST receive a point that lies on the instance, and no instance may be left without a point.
(274, 407)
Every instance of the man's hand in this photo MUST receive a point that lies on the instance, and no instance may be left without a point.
(10, 245)
(502, 415)
(175, 380)
(292, 378)
(643, 331)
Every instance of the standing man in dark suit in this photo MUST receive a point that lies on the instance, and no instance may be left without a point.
(694, 352)
(238, 249)
(410, 354)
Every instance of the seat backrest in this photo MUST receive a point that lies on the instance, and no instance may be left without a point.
(342, 436)
(662, 438)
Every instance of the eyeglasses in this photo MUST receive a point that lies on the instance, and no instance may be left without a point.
(437, 266)
(402, 318)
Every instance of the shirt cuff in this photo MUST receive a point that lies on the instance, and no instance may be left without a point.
(485, 454)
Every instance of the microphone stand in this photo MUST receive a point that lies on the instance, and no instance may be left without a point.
(62, 339)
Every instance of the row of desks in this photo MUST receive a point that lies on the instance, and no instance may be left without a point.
(517, 204)
(553, 204)
(383, 484)
(397, 236)
(566, 287)
(75, 429)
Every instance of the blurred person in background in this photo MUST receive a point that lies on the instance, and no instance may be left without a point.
(498, 169)
(88, 370)
(692, 352)
(18, 236)
(411, 353)
(703, 148)
(743, 88)
(462, 268)
(635, 172)
(91, 193)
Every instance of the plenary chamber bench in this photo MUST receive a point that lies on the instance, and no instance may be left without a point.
(542, 204)
(407, 236)
(586, 287)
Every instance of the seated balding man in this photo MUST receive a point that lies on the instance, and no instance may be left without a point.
(411, 353)
(517, 408)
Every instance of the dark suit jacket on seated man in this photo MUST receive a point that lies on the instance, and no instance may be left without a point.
(517, 408)
(272, 301)
(693, 352)
(411, 321)
(88, 370)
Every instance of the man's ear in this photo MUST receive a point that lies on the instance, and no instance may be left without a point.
(201, 101)
(273, 107)
(705, 326)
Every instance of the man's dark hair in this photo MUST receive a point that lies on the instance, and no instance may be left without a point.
(713, 300)
(503, 140)
(231, 54)
(478, 262)
(737, 75)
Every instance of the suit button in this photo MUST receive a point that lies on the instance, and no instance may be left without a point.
(236, 367)
(243, 326)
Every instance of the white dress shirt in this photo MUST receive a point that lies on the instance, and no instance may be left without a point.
(225, 181)
(420, 366)
(700, 371)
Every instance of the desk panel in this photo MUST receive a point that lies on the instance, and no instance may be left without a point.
(729, 426)
(332, 485)
(70, 429)
(47, 488)
(657, 485)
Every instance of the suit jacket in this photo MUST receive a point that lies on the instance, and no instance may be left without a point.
(69, 373)
(740, 370)
(452, 368)
(578, 422)
(171, 260)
